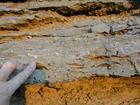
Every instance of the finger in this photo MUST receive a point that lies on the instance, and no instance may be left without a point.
(6, 70)
(21, 77)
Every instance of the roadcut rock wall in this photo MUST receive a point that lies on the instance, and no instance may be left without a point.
(87, 51)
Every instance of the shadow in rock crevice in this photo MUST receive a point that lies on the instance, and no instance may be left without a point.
(136, 14)
(18, 97)
(135, 3)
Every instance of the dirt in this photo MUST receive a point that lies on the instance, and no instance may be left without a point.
(95, 90)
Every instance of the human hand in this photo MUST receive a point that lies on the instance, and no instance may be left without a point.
(7, 88)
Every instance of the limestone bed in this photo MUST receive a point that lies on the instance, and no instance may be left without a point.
(87, 51)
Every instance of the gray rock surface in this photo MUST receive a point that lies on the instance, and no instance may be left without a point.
(101, 27)
(70, 57)
(118, 27)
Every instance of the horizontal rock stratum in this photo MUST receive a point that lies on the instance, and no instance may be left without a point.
(77, 45)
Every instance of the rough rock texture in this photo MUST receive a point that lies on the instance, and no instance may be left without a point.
(70, 40)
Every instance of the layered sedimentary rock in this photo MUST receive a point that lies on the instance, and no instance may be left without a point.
(70, 40)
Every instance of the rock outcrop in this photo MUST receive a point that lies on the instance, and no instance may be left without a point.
(95, 40)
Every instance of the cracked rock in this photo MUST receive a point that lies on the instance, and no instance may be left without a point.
(118, 27)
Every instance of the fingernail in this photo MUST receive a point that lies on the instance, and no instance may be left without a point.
(32, 65)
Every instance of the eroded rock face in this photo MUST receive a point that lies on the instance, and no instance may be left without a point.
(97, 90)
(71, 40)
(81, 55)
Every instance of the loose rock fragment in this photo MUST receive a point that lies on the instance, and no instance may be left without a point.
(100, 28)
(118, 27)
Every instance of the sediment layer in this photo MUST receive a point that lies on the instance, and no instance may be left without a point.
(85, 91)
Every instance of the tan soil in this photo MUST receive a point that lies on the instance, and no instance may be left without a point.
(86, 91)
